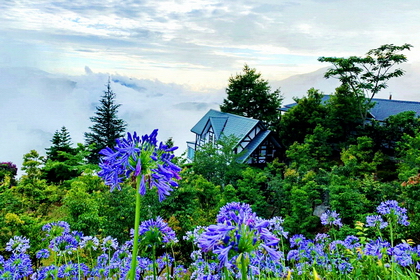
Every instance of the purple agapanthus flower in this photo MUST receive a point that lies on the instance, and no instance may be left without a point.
(18, 245)
(55, 229)
(377, 248)
(238, 231)
(402, 254)
(331, 218)
(134, 157)
(89, 242)
(72, 270)
(64, 244)
(158, 228)
(390, 207)
(235, 211)
(109, 243)
(43, 254)
(376, 221)
(17, 266)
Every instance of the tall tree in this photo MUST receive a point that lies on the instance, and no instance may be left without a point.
(107, 127)
(366, 76)
(250, 96)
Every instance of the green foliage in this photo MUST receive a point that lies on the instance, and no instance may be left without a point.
(313, 153)
(253, 189)
(360, 159)
(8, 171)
(82, 209)
(117, 211)
(250, 96)
(107, 127)
(217, 162)
(409, 155)
(343, 118)
(69, 166)
(302, 119)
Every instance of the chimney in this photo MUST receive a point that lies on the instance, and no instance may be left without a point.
(390, 96)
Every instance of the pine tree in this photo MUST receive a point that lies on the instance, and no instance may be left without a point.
(107, 126)
(61, 142)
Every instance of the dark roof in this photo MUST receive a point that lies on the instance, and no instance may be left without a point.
(382, 109)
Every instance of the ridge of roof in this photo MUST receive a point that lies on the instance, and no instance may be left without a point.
(229, 127)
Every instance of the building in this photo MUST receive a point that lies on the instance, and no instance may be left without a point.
(382, 109)
(256, 143)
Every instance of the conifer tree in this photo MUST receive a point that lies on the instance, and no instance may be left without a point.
(61, 142)
(107, 127)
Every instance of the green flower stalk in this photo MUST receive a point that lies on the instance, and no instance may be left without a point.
(145, 165)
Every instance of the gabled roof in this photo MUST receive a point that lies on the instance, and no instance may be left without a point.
(218, 124)
(382, 109)
(229, 124)
(254, 144)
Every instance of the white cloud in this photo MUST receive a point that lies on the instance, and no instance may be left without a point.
(34, 104)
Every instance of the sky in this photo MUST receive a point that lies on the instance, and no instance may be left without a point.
(170, 61)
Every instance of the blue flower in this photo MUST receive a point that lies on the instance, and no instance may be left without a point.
(239, 232)
(17, 266)
(72, 270)
(376, 221)
(43, 254)
(46, 272)
(18, 245)
(377, 248)
(133, 157)
(55, 229)
(235, 211)
(64, 244)
(331, 218)
(157, 230)
(89, 242)
(390, 207)
(108, 243)
(402, 254)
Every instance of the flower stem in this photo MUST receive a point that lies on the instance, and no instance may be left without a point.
(136, 231)
(243, 268)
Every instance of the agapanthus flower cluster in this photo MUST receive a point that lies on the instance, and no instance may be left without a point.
(134, 157)
(391, 207)
(18, 245)
(156, 231)
(331, 218)
(376, 221)
(17, 266)
(238, 232)
(55, 229)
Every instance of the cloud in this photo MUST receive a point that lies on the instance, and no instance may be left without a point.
(34, 104)
(169, 40)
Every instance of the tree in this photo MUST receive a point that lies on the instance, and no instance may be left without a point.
(107, 126)
(217, 162)
(366, 76)
(61, 142)
(302, 119)
(249, 96)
